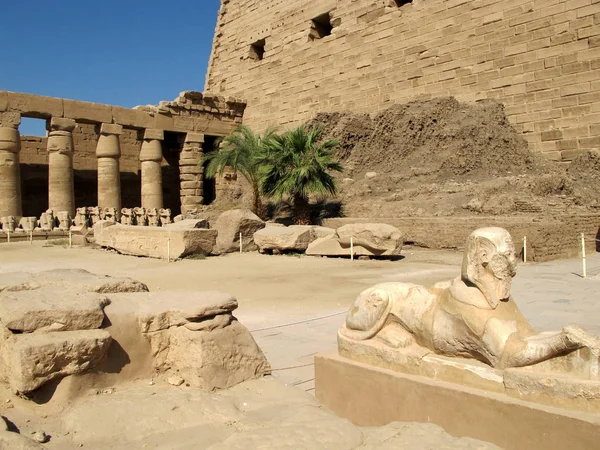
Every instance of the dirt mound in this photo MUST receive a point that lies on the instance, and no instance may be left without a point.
(444, 157)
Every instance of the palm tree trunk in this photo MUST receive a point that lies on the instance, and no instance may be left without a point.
(301, 210)
(257, 205)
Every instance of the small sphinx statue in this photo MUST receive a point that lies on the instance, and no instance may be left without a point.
(127, 216)
(81, 217)
(153, 217)
(165, 216)
(111, 214)
(141, 218)
(9, 224)
(95, 214)
(28, 223)
(63, 221)
(473, 316)
(47, 221)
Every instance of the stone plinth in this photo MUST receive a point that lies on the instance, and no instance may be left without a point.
(150, 161)
(108, 153)
(372, 396)
(155, 242)
(10, 172)
(60, 166)
(191, 171)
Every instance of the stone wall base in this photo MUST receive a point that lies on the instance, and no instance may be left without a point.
(371, 396)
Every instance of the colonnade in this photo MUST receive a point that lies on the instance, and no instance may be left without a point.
(61, 194)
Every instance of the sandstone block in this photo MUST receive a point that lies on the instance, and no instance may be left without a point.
(3, 100)
(191, 185)
(292, 238)
(131, 117)
(87, 111)
(210, 360)
(27, 311)
(30, 360)
(194, 137)
(62, 124)
(154, 134)
(10, 119)
(186, 224)
(152, 241)
(379, 238)
(77, 280)
(158, 311)
(111, 128)
(35, 105)
(195, 169)
(229, 226)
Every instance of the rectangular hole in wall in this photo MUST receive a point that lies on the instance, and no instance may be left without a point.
(321, 27)
(32, 127)
(400, 3)
(257, 50)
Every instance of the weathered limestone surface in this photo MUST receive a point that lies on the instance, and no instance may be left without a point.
(153, 241)
(414, 329)
(30, 360)
(61, 194)
(368, 239)
(188, 223)
(28, 311)
(10, 175)
(230, 224)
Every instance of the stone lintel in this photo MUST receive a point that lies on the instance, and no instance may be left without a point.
(10, 119)
(62, 124)
(111, 128)
(154, 134)
(194, 138)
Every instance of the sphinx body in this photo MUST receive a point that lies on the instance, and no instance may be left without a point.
(473, 316)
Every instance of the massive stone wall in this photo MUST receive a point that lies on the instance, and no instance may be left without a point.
(540, 58)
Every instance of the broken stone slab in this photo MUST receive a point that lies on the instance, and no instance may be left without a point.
(378, 238)
(162, 310)
(229, 226)
(209, 360)
(30, 360)
(28, 311)
(156, 242)
(10, 440)
(368, 239)
(185, 224)
(79, 280)
(292, 238)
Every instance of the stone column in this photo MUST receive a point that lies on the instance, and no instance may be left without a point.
(190, 172)
(151, 159)
(108, 152)
(61, 195)
(10, 170)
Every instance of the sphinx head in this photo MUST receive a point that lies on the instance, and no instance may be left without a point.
(490, 263)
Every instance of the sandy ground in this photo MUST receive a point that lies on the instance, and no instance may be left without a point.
(293, 306)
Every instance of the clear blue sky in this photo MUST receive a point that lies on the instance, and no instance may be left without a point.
(124, 53)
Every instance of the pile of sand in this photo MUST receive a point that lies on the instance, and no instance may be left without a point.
(445, 158)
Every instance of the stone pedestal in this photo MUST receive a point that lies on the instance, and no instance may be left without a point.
(190, 172)
(372, 396)
(150, 161)
(60, 166)
(10, 172)
(108, 152)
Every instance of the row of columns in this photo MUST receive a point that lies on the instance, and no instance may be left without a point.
(61, 194)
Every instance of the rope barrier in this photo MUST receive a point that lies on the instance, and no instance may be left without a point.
(302, 321)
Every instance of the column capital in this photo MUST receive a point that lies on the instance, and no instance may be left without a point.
(10, 119)
(62, 124)
(111, 128)
(194, 138)
(151, 134)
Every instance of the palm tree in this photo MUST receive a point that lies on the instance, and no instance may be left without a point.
(297, 164)
(241, 151)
